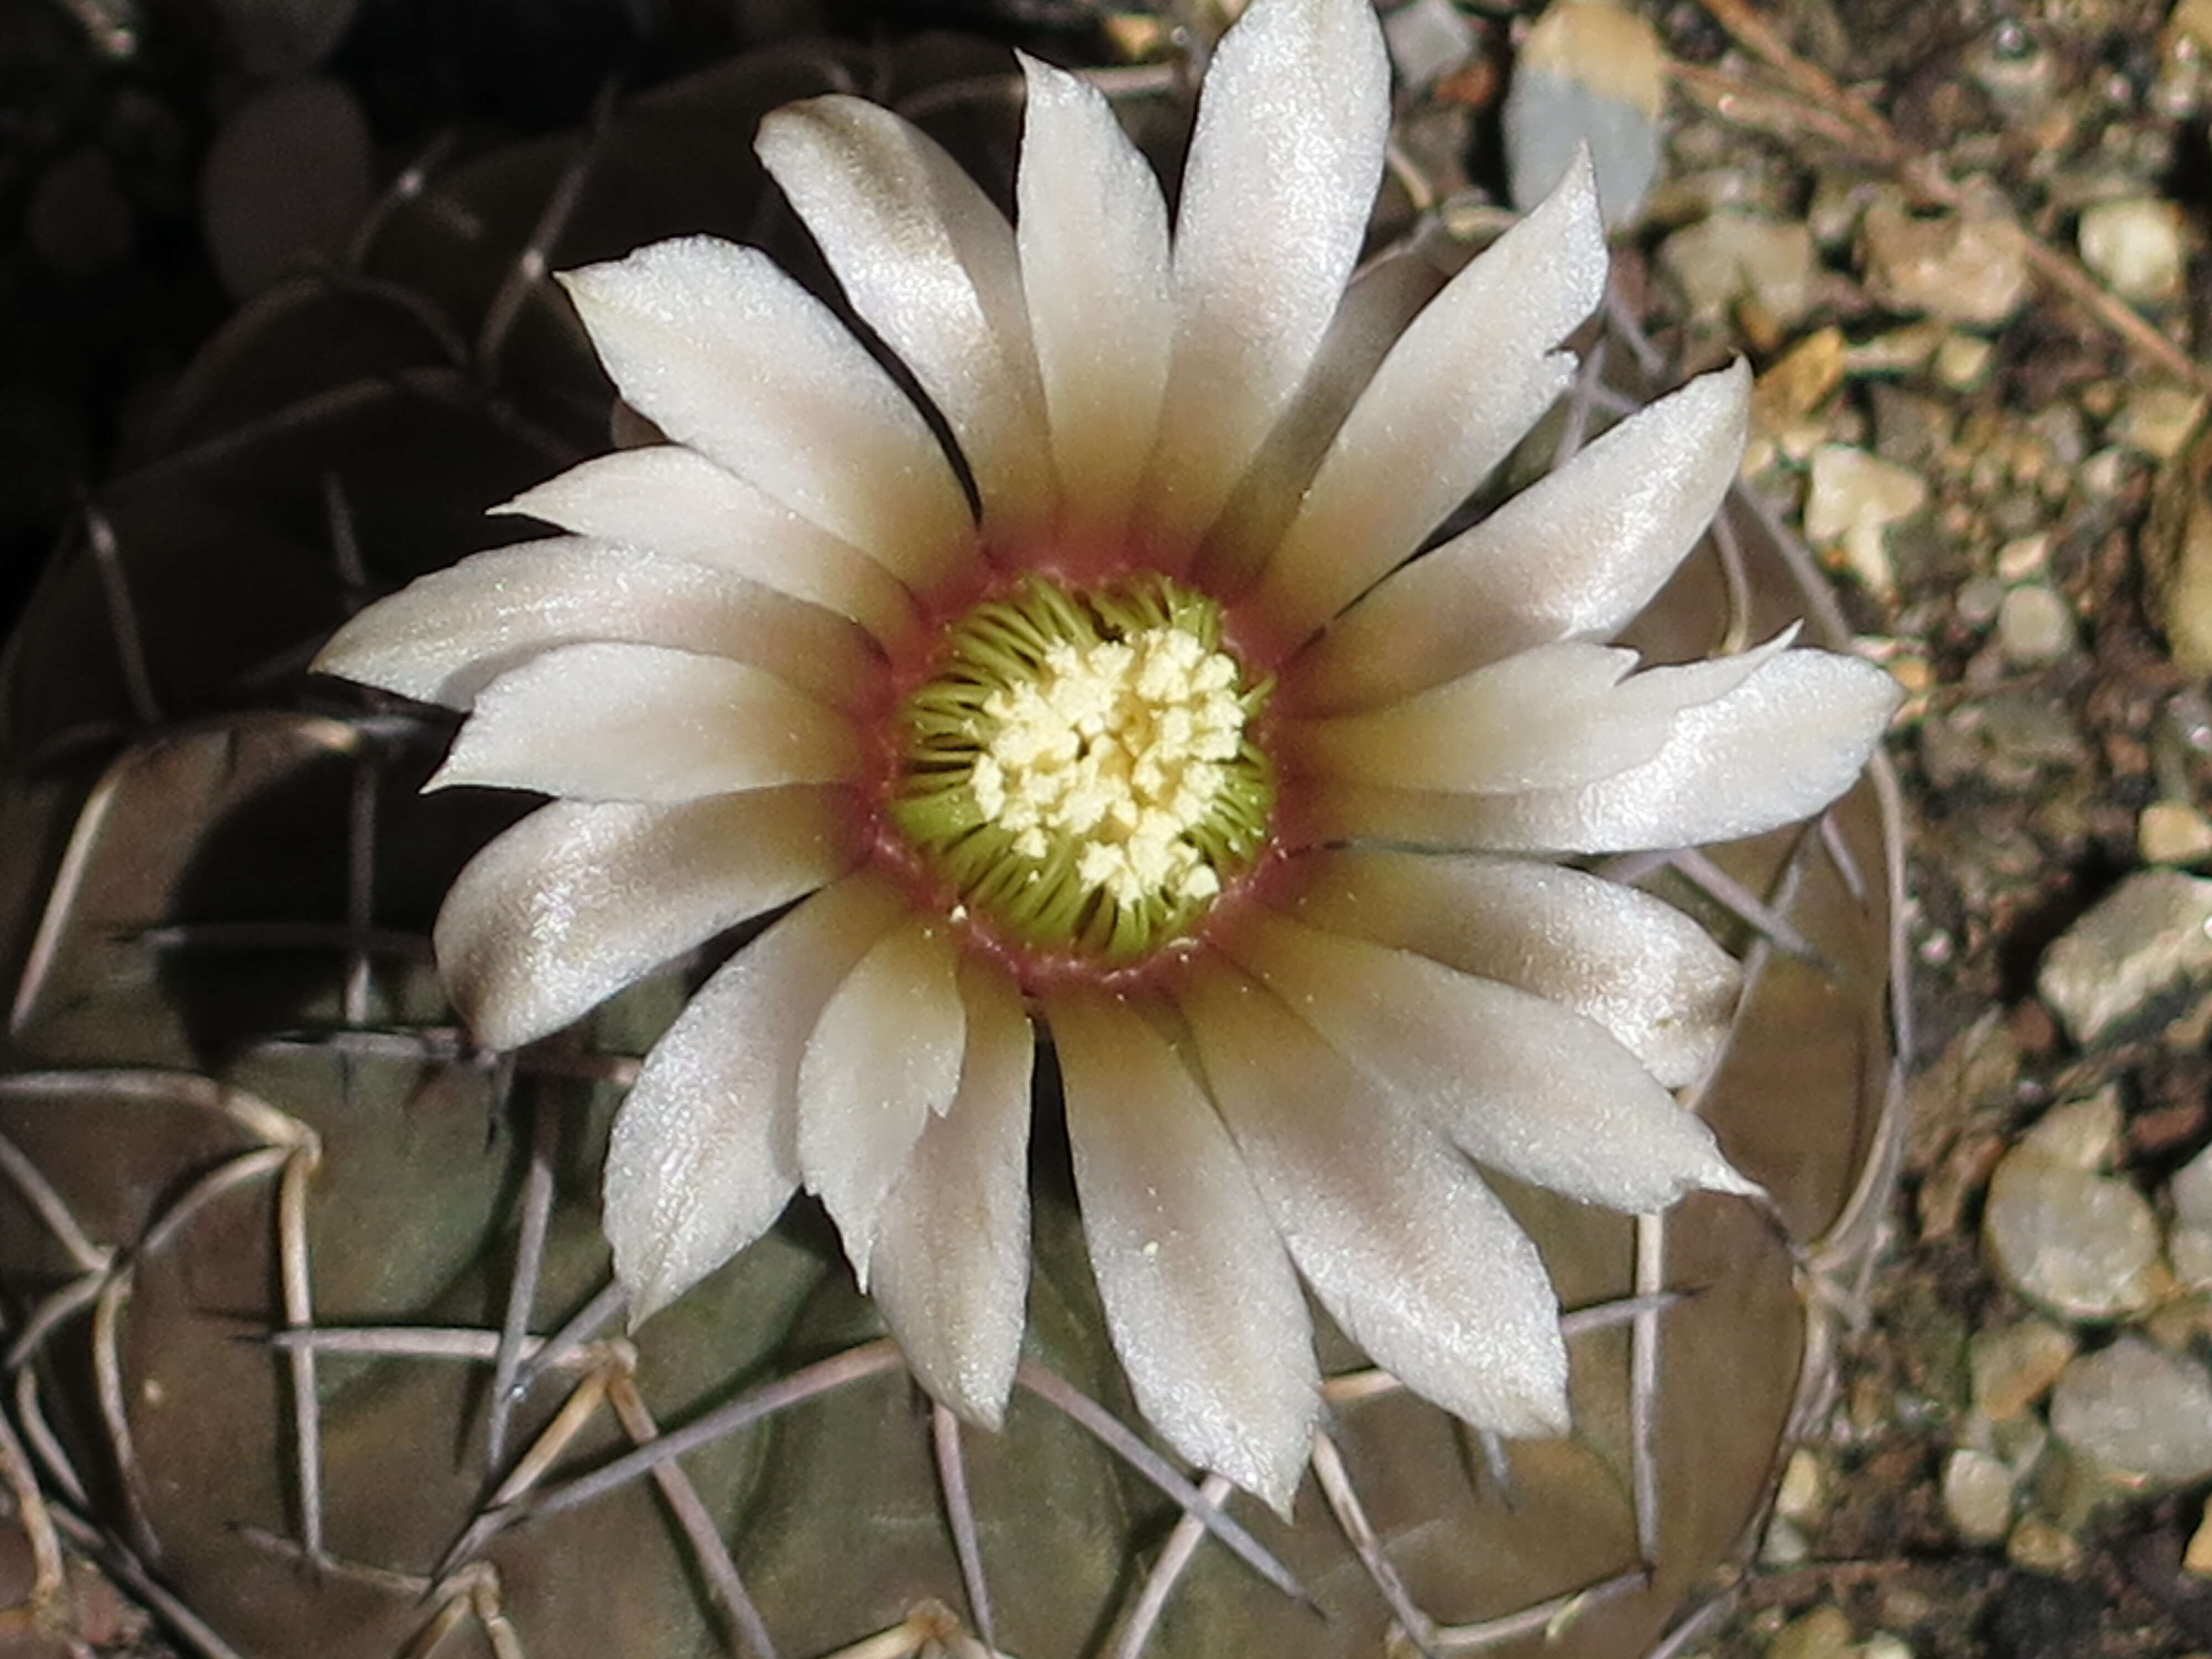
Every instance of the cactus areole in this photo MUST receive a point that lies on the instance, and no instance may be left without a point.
(1124, 694)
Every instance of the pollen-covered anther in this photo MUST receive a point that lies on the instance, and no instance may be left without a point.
(1082, 768)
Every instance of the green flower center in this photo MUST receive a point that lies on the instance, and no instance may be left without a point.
(1081, 770)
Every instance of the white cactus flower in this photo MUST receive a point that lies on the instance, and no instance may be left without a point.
(1168, 741)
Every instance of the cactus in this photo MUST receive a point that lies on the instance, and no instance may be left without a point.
(311, 1334)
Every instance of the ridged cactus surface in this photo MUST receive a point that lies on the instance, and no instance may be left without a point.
(308, 1332)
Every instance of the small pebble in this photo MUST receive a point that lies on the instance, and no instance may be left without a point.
(1428, 40)
(1978, 1496)
(2082, 1244)
(1785, 1544)
(2136, 1411)
(1823, 1633)
(2024, 556)
(1590, 72)
(2197, 1558)
(1883, 1645)
(2085, 1132)
(1959, 267)
(1732, 256)
(2011, 1367)
(2102, 474)
(1980, 598)
(2189, 1251)
(2150, 935)
(1962, 360)
(2191, 1191)
(1798, 1498)
(2134, 245)
(2174, 832)
(2039, 1546)
(2158, 421)
(2035, 627)
(1852, 499)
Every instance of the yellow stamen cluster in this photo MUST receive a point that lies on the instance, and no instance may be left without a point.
(1081, 767)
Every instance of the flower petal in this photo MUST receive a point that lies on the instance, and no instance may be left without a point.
(1633, 962)
(1576, 555)
(1778, 748)
(950, 1268)
(641, 723)
(725, 353)
(1466, 381)
(1405, 1245)
(671, 500)
(1093, 235)
(884, 1059)
(443, 638)
(1283, 170)
(1519, 1083)
(704, 1153)
(929, 261)
(1199, 1295)
(580, 898)
(1551, 717)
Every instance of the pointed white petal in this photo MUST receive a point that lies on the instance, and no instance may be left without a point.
(1415, 1257)
(1576, 555)
(1778, 748)
(639, 723)
(675, 502)
(951, 1264)
(704, 1153)
(579, 899)
(725, 353)
(1204, 1310)
(1554, 716)
(443, 638)
(1468, 377)
(1633, 962)
(1284, 164)
(929, 261)
(884, 1059)
(1520, 1083)
(1093, 235)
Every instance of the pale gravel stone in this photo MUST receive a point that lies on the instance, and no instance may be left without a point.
(1962, 361)
(1803, 1481)
(2082, 1244)
(2158, 420)
(2197, 1558)
(2083, 1132)
(2035, 627)
(1852, 499)
(2189, 1250)
(2134, 245)
(2191, 1188)
(1733, 256)
(1883, 1645)
(2012, 1367)
(2152, 934)
(2039, 1546)
(2134, 1409)
(1590, 72)
(1823, 1633)
(1959, 267)
(1978, 1496)
(1427, 40)
(2174, 832)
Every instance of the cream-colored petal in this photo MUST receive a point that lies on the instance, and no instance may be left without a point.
(1283, 169)
(704, 1153)
(1778, 748)
(725, 353)
(1576, 555)
(675, 502)
(929, 261)
(884, 1059)
(1551, 717)
(1519, 1083)
(443, 638)
(580, 898)
(1408, 1249)
(1466, 381)
(1092, 231)
(642, 723)
(1633, 962)
(1204, 1310)
(951, 1266)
